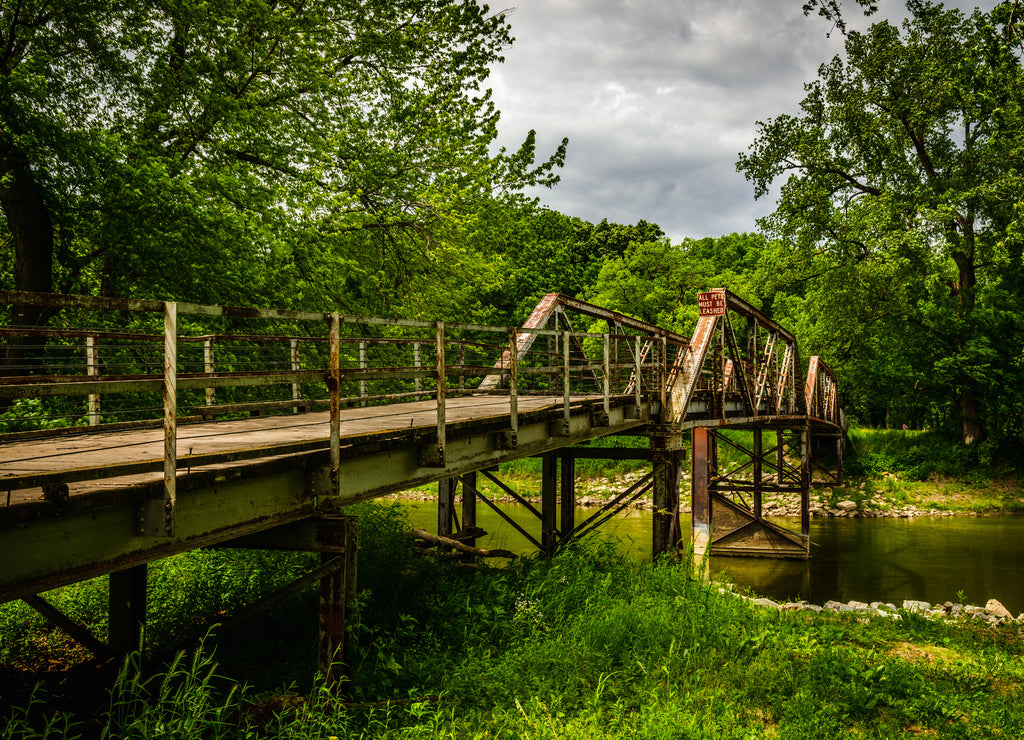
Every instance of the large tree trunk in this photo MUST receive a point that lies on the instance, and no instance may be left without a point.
(28, 220)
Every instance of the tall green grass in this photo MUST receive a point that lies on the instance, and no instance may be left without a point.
(588, 644)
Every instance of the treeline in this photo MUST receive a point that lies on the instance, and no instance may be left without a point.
(341, 155)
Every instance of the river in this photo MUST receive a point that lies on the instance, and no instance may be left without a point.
(963, 559)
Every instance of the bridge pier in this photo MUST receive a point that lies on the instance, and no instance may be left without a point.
(549, 532)
(336, 539)
(127, 609)
(666, 459)
(701, 467)
(727, 505)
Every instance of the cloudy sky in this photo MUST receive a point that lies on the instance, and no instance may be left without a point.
(657, 98)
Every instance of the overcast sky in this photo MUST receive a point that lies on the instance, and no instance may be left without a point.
(658, 97)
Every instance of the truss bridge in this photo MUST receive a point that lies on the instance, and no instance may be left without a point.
(191, 426)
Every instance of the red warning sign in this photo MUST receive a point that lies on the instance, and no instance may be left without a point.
(711, 304)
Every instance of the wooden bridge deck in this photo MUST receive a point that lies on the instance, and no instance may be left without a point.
(101, 457)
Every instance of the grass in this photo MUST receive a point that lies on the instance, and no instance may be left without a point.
(588, 644)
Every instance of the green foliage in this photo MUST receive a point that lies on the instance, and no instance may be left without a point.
(297, 153)
(658, 282)
(917, 455)
(897, 238)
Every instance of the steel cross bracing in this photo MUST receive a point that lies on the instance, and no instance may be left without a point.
(198, 425)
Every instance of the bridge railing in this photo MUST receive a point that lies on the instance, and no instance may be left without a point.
(174, 364)
(822, 393)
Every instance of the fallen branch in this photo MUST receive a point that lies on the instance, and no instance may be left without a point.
(422, 534)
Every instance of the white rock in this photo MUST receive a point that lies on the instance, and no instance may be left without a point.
(916, 606)
(996, 609)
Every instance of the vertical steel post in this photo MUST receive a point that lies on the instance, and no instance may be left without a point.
(469, 504)
(335, 391)
(170, 414)
(606, 386)
(293, 345)
(513, 386)
(337, 596)
(92, 369)
(462, 362)
(417, 362)
(362, 367)
(758, 471)
(663, 377)
(780, 455)
(701, 497)
(126, 604)
(549, 504)
(209, 369)
(567, 502)
(566, 389)
(446, 505)
(441, 385)
(805, 485)
(665, 459)
(637, 371)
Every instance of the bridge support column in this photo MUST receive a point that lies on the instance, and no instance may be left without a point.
(446, 506)
(758, 471)
(840, 443)
(567, 498)
(805, 484)
(666, 456)
(469, 505)
(549, 503)
(127, 610)
(337, 595)
(702, 450)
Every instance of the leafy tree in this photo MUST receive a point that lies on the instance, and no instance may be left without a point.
(832, 10)
(658, 282)
(904, 165)
(284, 150)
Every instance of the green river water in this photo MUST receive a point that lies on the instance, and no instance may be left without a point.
(936, 559)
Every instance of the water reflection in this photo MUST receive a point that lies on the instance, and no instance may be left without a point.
(926, 559)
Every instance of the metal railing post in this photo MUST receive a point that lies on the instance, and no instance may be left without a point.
(362, 366)
(462, 361)
(293, 345)
(637, 369)
(170, 414)
(335, 390)
(417, 361)
(209, 369)
(606, 372)
(513, 385)
(566, 389)
(92, 369)
(663, 375)
(441, 383)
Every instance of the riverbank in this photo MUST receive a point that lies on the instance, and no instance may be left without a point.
(588, 644)
(883, 496)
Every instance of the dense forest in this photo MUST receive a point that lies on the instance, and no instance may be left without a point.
(317, 153)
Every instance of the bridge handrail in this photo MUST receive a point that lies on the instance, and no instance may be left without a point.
(581, 363)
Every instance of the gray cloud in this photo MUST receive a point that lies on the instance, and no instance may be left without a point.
(658, 98)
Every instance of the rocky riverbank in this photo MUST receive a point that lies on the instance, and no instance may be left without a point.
(993, 613)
